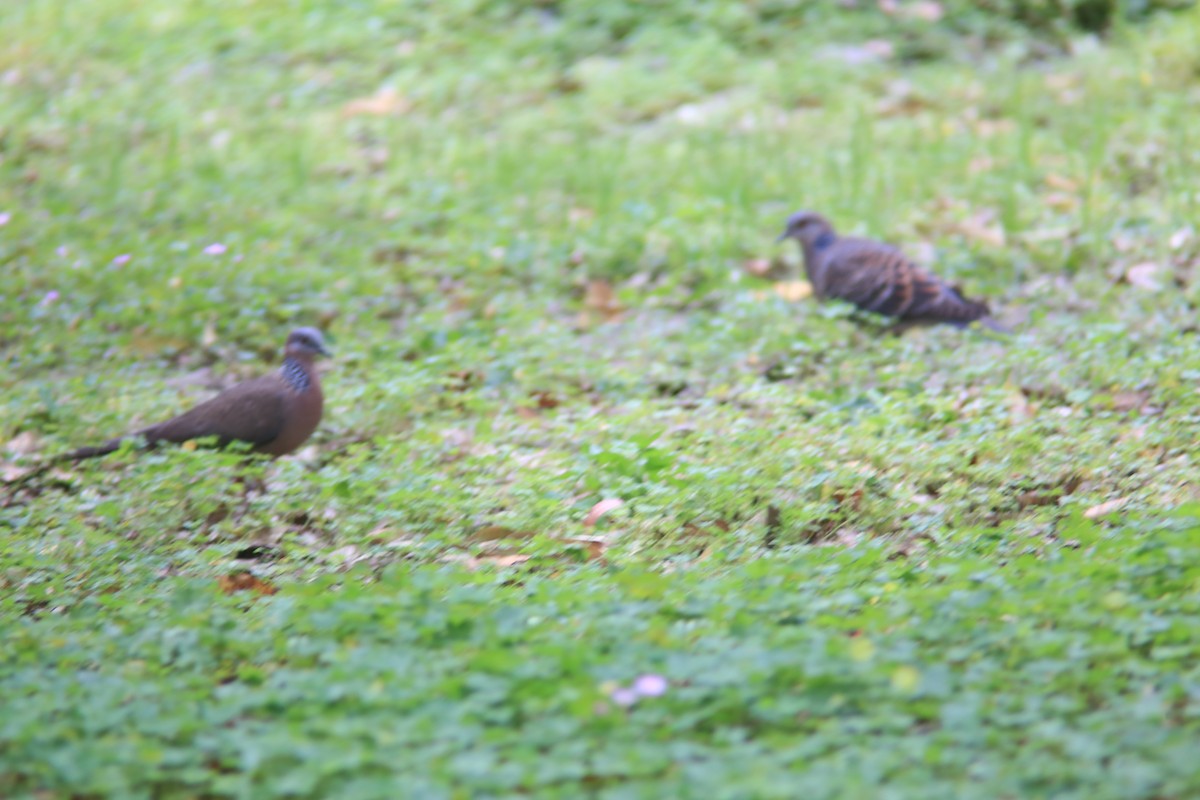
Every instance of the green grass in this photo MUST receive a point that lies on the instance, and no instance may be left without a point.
(977, 580)
(827, 673)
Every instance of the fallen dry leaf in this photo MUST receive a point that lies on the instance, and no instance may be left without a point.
(758, 267)
(1105, 508)
(461, 380)
(458, 438)
(1061, 81)
(602, 508)
(705, 530)
(1123, 242)
(901, 100)
(987, 128)
(1061, 201)
(474, 563)
(845, 537)
(1041, 235)
(386, 102)
(1036, 497)
(1123, 402)
(793, 291)
(244, 582)
(770, 269)
(1144, 276)
(1020, 408)
(879, 48)
(600, 297)
(980, 164)
(24, 443)
(984, 227)
(10, 473)
(509, 560)
(595, 548)
(1062, 184)
(578, 214)
(851, 499)
(926, 10)
(544, 399)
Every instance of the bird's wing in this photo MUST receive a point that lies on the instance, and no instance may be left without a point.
(938, 301)
(253, 412)
(879, 278)
(869, 274)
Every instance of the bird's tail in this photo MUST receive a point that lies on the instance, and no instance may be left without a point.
(112, 445)
(79, 454)
(993, 325)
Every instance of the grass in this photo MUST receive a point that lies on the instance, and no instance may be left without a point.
(831, 673)
(930, 565)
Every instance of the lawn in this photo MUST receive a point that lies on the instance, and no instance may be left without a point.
(603, 504)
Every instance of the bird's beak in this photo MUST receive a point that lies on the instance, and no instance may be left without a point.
(325, 351)
(782, 237)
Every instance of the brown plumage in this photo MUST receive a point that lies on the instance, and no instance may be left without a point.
(877, 277)
(274, 413)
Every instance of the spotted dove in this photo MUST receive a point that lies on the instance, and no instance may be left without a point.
(877, 277)
(274, 413)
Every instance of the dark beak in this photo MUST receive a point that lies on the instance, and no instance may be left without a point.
(783, 237)
(325, 351)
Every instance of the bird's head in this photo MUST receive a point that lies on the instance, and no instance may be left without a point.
(306, 342)
(807, 227)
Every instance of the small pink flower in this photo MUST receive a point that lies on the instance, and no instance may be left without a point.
(5, 217)
(650, 686)
(121, 260)
(61, 251)
(215, 249)
(623, 696)
(49, 298)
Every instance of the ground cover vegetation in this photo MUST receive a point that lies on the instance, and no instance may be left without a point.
(602, 505)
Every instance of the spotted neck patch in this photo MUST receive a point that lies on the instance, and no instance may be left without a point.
(296, 375)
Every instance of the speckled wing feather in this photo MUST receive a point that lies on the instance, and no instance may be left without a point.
(879, 278)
